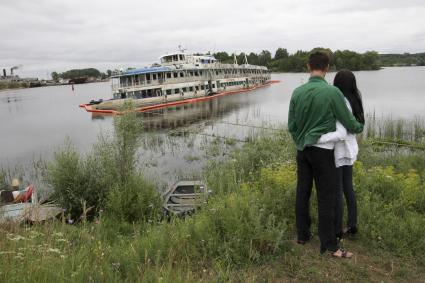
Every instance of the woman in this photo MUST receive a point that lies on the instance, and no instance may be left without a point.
(346, 150)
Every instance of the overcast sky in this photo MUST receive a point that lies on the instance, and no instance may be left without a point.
(55, 35)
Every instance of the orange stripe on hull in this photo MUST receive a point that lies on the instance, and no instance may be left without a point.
(89, 107)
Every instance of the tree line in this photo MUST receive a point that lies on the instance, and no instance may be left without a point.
(282, 61)
(405, 59)
(80, 73)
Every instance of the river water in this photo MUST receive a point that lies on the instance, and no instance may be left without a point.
(35, 122)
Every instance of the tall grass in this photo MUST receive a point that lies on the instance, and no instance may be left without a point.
(10, 85)
(390, 129)
(248, 221)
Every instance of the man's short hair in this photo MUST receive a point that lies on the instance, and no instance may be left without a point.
(318, 60)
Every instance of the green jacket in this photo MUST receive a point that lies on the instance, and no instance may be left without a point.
(313, 111)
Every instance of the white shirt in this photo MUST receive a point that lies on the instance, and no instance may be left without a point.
(344, 144)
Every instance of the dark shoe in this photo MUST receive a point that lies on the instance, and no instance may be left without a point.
(351, 231)
(304, 241)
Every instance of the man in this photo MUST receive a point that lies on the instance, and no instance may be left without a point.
(313, 111)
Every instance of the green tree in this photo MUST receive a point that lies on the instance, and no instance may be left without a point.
(264, 58)
(281, 53)
(371, 60)
(77, 73)
(223, 57)
(55, 76)
(253, 58)
(241, 58)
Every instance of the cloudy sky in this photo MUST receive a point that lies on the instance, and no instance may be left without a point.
(55, 35)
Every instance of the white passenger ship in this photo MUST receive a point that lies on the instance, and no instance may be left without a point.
(180, 77)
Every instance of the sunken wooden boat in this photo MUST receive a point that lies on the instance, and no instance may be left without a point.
(184, 197)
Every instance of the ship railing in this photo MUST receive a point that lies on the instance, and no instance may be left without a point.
(205, 77)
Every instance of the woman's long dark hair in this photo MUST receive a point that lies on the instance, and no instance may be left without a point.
(346, 82)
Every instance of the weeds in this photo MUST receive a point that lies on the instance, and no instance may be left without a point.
(248, 223)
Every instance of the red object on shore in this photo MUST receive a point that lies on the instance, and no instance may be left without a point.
(89, 107)
(28, 194)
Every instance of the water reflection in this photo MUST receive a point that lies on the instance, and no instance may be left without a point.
(185, 115)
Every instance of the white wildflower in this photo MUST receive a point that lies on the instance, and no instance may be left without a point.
(58, 234)
(17, 238)
(51, 250)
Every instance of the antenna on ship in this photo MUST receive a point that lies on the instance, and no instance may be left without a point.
(181, 49)
(246, 59)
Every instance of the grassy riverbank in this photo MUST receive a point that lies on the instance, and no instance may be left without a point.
(244, 234)
(12, 85)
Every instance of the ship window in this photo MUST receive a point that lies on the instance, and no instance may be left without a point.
(143, 93)
(175, 74)
(184, 89)
(191, 73)
(138, 94)
(148, 77)
(181, 74)
(168, 91)
(181, 57)
(200, 72)
(202, 87)
(191, 88)
(175, 58)
(196, 87)
(177, 90)
(196, 73)
(168, 75)
(153, 76)
(216, 72)
(213, 85)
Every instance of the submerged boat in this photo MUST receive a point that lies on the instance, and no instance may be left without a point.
(185, 197)
(180, 78)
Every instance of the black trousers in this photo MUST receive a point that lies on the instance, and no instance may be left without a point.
(318, 164)
(345, 187)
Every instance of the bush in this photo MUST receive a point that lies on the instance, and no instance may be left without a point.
(85, 181)
(391, 209)
(134, 201)
(78, 181)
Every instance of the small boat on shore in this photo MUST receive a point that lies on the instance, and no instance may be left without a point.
(24, 206)
(180, 78)
(185, 197)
